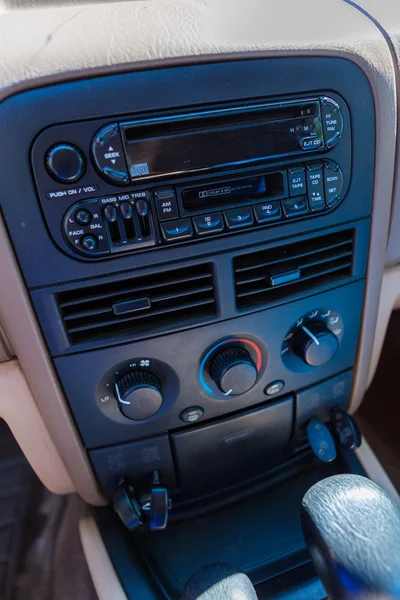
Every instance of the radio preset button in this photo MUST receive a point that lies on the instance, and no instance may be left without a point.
(310, 143)
(207, 224)
(333, 183)
(83, 217)
(332, 121)
(108, 155)
(179, 229)
(239, 217)
(297, 181)
(315, 186)
(166, 204)
(268, 211)
(294, 207)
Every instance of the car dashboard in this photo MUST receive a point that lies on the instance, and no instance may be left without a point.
(199, 255)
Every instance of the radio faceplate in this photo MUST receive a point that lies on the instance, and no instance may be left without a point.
(80, 166)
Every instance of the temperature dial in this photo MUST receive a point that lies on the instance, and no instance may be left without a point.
(315, 344)
(139, 395)
(234, 371)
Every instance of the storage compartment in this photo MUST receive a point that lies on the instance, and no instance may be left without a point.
(234, 449)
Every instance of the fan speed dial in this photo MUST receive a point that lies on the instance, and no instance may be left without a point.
(139, 395)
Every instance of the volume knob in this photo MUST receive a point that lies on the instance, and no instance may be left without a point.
(139, 395)
(65, 163)
(234, 371)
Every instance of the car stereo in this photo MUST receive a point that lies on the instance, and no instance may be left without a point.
(186, 176)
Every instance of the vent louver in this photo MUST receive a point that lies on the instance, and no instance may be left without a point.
(271, 276)
(131, 307)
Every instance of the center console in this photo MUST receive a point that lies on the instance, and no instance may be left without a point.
(198, 241)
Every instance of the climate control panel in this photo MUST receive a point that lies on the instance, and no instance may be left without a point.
(161, 384)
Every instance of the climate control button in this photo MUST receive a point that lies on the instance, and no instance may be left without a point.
(192, 414)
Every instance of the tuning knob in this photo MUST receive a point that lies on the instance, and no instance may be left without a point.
(234, 371)
(315, 344)
(139, 395)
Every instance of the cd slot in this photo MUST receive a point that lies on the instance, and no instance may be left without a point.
(226, 193)
(184, 124)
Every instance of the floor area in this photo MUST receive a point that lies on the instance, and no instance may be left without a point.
(41, 556)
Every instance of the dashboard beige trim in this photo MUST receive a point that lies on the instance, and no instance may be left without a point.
(19, 410)
(5, 349)
(375, 471)
(105, 580)
(45, 398)
(389, 301)
(387, 17)
(47, 46)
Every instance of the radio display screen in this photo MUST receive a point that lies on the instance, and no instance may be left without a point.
(178, 147)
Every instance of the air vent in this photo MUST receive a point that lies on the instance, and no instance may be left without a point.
(272, 276)
(138, 305)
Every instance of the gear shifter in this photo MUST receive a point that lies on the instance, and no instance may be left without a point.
(219, 582)
(352, 529)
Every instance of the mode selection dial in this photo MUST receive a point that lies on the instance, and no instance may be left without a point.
(233, 370)
(315, 343)
(313, 339)
(139, 395)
